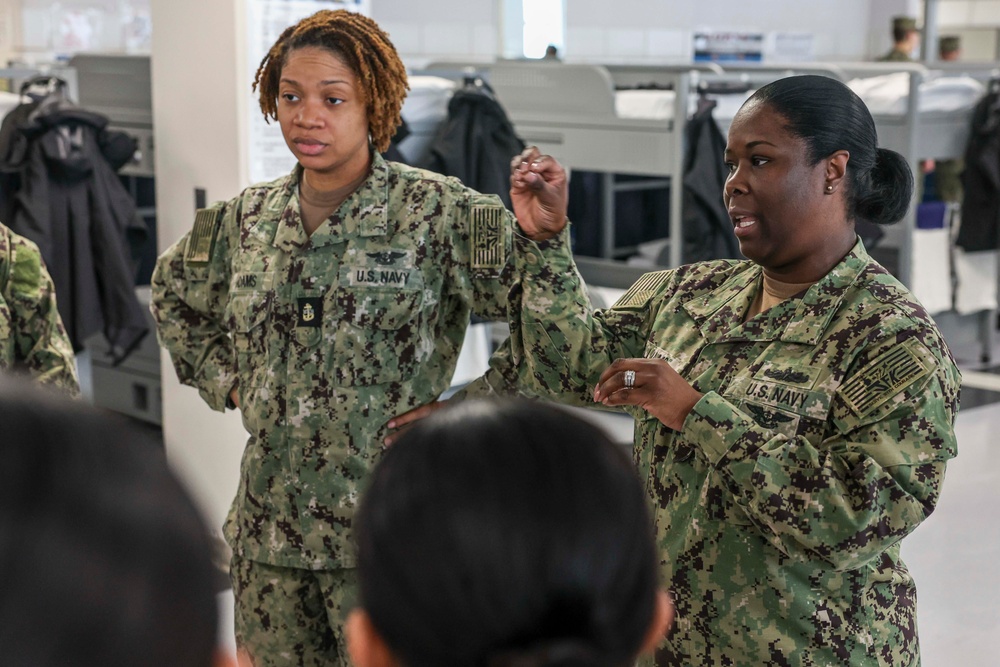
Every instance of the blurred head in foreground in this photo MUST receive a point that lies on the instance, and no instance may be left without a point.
(506, 535)
(104, 560)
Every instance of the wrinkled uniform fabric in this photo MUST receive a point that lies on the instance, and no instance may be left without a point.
(291, 616)
(32, 337)
(328, 337)
(820, 442)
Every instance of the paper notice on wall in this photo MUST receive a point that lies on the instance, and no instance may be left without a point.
(790, 47)
(266, 19)
(728, 46)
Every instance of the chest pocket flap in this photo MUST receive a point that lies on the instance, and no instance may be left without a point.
(382, 335)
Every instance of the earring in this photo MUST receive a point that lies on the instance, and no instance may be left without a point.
(829, 188)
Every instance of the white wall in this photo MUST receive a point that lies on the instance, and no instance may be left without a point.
(636, 30)
(200, 93)
(645, 31)
(425, 31)
(10, 30)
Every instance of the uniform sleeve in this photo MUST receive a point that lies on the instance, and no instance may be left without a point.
(865, 487)
(481, 276)
(40, 340)
(480, 272)
(558, 345)
(189, 293)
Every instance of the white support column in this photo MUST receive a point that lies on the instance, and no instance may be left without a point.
(200, 97)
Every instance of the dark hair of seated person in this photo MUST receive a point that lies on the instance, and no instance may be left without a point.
(104, 560)
(506, 535)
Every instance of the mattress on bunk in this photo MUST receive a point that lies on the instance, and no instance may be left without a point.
(648, 104)
(888, 93)
(428, 99)
(659, 104)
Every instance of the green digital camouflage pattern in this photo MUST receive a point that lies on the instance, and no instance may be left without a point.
(327, 337)
(820, 442)
(32, 336)
(896, 56)
(286, 616)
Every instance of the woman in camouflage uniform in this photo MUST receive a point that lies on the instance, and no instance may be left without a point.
(320, 305)
(794, 413)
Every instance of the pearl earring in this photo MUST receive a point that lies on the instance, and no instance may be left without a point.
(829, 188)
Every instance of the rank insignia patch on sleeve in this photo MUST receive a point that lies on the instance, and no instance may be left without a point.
(202, 239)
(489, 243)
(883, 379)
(642, 291)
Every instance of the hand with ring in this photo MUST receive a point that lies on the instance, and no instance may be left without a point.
(650, 384)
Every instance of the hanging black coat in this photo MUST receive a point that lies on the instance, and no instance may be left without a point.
(476, 142)
(71, 203)
(708, 231)
(980, 228)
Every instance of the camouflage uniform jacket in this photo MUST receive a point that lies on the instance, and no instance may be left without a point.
(328, 336)
(896, 56)
(32, 336)
(820, 442)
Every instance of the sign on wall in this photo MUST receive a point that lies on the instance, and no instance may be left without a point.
(728, 46)
(266, 19)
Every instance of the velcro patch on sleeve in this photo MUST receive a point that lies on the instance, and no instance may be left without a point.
(643, 290)
(202, 239)
(489, 242)
(883, 378)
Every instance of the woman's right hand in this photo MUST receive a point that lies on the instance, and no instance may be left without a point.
(234, 396)
(539, 192)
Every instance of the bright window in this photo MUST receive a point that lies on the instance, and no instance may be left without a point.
(543, 25)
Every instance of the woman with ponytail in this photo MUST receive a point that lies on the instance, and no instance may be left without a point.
(506, 535)
(794, 412)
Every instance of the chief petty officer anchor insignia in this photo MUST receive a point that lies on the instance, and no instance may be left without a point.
(310, 311)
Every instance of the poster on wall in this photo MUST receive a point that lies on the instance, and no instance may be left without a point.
(789, 47)
(728, 46)
(266, 19)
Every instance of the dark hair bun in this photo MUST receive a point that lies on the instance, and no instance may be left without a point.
(891, 189)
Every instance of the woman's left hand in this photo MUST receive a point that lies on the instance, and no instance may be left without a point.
(656, 388)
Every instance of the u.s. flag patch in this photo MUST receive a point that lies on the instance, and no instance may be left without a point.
(489, 243)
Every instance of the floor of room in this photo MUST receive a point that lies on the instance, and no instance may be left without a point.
(953, 555)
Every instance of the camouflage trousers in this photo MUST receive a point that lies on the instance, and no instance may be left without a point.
(287, 616)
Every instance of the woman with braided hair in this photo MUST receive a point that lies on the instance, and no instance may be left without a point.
(320, 305)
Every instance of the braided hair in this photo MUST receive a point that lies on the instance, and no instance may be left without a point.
(363, 46)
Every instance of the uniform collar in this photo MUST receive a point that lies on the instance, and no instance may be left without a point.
(720, 313)
(364, 213)
(820, 303)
